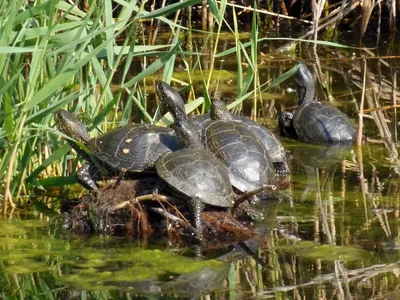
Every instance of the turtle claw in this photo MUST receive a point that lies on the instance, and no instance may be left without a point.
(281, 168)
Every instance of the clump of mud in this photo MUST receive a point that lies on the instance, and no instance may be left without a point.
(130, 208)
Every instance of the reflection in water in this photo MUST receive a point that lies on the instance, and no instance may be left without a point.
(337, 238)
(319, 164)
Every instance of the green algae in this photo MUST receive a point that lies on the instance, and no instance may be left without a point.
(311, 250)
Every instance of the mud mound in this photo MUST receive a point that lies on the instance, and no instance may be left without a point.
(131, 209)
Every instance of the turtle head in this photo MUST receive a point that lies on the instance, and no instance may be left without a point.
(171, 100)
(286, 126)
(304, 84)
(219, 111)
(187, 135)
(71, 126)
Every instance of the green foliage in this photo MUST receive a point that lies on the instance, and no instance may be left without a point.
(54, 54)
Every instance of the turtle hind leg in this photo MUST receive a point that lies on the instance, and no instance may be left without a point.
(197, 206)
(281, 168)
(85, 178)
(119, 178)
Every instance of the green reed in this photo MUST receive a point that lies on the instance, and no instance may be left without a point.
(55, 55)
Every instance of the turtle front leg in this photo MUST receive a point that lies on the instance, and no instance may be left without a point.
(120, 177)
(197, 206)
(286, 125)
(85, 178)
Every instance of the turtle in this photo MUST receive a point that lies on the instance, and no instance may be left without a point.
(247, 160)
(196, 174)
(264, 135)
(315, 122)
(131, 148)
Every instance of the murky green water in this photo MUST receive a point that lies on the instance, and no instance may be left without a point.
(335, 236)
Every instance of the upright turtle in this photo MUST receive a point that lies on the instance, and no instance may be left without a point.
(316, 122)
(133, 148)
(247, 160)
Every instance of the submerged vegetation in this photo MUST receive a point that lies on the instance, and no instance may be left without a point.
(100, 58)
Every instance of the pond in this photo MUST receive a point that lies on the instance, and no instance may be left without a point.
(334, 235)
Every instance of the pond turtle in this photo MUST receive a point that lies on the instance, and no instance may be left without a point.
(264, 135)
(247, 160)
(196, 174)
(316, 122)
(133, 148)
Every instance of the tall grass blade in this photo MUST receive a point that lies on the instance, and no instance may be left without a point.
(170, 9)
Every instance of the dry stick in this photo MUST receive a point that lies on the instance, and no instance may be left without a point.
(362, 275)
(360, 113)
(378, 29)
(171, 35)
(167, 215)
(353, 6)
(366, 10)
(393, 94)
(382, 125)
(247, 195)
(166, 199)
(263, 11)
(320, 75)
(153, 40)
(339, 15)
(392, 19)
(386, 89)
(332, 20)
(204, 15)
(158, 210)
(186, 223)
(359, 140)
(333, 5)
(317, 14)
(387, 107)
(129, 202)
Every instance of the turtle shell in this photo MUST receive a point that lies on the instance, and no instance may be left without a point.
(135, 147)
(263, 134)
(197, 174)
(247, 160)
(316, 122)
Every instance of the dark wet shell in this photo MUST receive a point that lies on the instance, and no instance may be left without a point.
(316, 122)
(268, 139)
(264, 135)
(135, 147)
(197, 174)
(246, 158)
